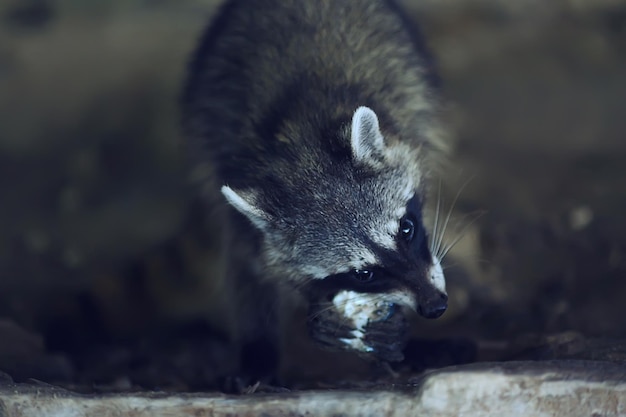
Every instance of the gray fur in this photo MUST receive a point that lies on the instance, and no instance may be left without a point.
(318, 121)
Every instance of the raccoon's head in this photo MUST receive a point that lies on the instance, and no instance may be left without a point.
(346, 219)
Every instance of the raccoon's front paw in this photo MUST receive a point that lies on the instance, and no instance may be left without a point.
(330, 329)
(373, 328)
(388, 338)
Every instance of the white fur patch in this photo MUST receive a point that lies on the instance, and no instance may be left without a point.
(244, 203)
(367, 141)
(436, 275)
(316, 272)
(383, 236)
(356, 342)
(363, 258)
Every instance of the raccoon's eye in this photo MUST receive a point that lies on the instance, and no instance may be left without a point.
(363, 275)
(407, 229)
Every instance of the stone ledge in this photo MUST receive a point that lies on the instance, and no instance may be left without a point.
(569, 388)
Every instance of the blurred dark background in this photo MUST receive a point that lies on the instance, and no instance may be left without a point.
(102, 245)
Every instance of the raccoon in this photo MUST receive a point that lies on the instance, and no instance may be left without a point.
(319, 123)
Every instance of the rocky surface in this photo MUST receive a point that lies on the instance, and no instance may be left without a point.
(566, 388)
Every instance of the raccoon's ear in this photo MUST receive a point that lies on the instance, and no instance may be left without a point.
(245, 203)
(367, 141)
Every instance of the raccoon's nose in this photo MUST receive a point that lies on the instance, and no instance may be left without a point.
(434, 309)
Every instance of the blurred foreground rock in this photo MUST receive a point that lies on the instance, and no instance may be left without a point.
(567, 388)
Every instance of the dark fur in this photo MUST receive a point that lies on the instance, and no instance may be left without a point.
(296, 71)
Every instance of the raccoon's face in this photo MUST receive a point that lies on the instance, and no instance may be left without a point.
(351, 230)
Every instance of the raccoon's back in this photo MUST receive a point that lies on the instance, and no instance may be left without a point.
(262, 62)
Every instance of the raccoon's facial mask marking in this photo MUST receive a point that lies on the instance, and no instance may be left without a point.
(409, 275)
(429, 285)
(407, 229)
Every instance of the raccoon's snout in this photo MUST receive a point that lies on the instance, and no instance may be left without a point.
(435, 308)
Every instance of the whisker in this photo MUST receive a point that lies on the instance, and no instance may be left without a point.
(320, 312)
(438, 251)
(461, 235)
(434, 236)
(454, 265)
(304, 283)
